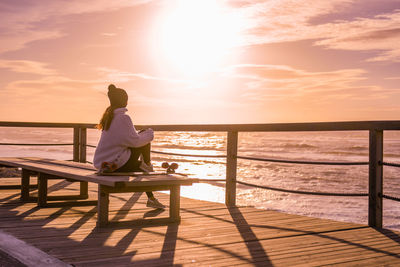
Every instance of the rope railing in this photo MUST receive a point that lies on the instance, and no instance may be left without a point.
(376, 163)
(389, 164)
(391, 198)
(188, 155)
(250, 158)
(304, 192)
(259, 159)
(304, 162)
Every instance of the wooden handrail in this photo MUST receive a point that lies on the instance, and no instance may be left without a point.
(46, 124)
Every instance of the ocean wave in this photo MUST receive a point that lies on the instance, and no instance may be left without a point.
(346, 153)
(196, 161)
(357, 148)
(301, 145)
(187, 147)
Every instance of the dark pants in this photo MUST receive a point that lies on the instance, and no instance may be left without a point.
(133, 163)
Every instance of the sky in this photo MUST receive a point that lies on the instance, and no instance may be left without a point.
(201, 61)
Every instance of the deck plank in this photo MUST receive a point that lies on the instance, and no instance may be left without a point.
(209, 234)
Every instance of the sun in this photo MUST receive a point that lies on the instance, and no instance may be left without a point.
(194, 37)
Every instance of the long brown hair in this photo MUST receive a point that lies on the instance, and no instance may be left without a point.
(107, 118)
(118, 99)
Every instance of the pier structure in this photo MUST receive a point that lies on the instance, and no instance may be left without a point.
(210, 233)
(376, 162)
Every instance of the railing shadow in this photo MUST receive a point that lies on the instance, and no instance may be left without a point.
(390, 234)
(256, 250)
(247, 232)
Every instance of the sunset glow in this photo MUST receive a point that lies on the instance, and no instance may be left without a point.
(194, 37)
(203, 61)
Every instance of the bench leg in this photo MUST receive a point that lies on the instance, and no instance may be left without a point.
(102, 206)
(174, 203)
(84, 190)
(42, 190)
(25, 180)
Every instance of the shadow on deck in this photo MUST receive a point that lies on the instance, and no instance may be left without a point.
(209, 234)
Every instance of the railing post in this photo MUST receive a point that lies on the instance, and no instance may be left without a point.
(375, 178)
(231, 167)
(82, 144)
(76, 145)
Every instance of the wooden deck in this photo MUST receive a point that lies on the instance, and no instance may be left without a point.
(209, 234)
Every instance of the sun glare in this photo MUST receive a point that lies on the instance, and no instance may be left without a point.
(195, 37)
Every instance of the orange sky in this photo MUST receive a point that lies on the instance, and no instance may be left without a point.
(201, 61)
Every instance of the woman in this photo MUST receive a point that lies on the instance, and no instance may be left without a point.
(120, 144)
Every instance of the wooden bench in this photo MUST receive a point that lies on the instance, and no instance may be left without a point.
(79, 172)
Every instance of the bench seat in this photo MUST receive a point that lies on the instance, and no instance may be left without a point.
(80, 172)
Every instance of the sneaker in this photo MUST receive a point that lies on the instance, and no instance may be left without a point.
(146, 167)
(154, 203)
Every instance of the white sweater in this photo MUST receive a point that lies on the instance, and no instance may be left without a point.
(115, 142)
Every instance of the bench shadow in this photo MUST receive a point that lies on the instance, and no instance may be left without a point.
(97, 236)
(153, 213)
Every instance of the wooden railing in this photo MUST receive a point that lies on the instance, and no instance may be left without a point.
(375, 128)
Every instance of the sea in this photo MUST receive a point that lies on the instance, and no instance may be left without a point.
(341, 146)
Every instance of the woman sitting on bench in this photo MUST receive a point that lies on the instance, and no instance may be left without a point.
(120, 145)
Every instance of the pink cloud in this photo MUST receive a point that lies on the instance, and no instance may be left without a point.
(26, 66)
(20, 22)
(284, 21)
(279, 82)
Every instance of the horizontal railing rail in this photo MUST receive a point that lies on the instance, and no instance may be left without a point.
(376, 163)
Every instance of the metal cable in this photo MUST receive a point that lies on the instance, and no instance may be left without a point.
(391, 198)
(91, 146)
(305, 192)
(27, 144)
(304, 162)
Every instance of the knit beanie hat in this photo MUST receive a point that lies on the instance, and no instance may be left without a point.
(118, 96)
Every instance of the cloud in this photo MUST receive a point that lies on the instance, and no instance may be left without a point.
(24, 23)
(240, 93)
(287, 20)
(53, 98)
(51, 87)
(284, 93)
(381, 34)
(263, 83)
(116, 76)
(26, 66)
(262, 22)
